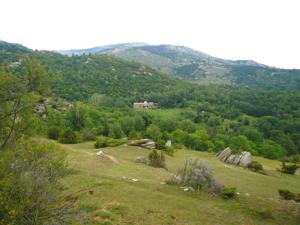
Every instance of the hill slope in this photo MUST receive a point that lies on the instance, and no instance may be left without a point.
(79, 77)
(110, 196)
(199, 67)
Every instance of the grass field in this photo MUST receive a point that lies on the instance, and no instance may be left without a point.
(107, 194)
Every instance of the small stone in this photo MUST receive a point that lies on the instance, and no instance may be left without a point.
(100, 154)
(141, 159)
(134, 179)
(186, 189)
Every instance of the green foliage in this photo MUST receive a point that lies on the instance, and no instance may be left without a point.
(228, 192)
(89, 136)
(255, 166)
(54, 133)
(153, 132)
(103, 142)
(157, 159)
(286, 194)
(29, 184)
(69, 137)
(160, 144)
(272, 150)
(115, 131)
(289, 168)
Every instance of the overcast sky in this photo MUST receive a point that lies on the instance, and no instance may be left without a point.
(267, 31)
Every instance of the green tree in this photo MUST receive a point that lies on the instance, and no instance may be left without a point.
(153, 132)
(272, 150)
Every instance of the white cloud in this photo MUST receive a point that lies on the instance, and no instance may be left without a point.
(262, 30)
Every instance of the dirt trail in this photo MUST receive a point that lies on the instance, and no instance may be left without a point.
(113, 159)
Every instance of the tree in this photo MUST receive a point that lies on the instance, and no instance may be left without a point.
(76, 118)
(153, 132)
(115, 130)
(29, 170)
(272, 150)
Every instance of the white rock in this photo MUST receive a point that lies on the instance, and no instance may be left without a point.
(100, 153)
(134, 179)
(186, 189)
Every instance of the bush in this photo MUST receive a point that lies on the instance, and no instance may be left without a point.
(160, 144)
(286, 194)
(289, 168)
(54, 133)
(157, 159)
(69, 137)
(228, 192)
(197, 175)
(169, 151)
(103, 142)
(89, 136)
(255, 166)
(30, 184)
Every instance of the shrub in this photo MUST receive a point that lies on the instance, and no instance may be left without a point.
(169, 151)
(100, 142)
(160, 144)
(89, 136)
(54, 133)
(255, 166)
(69, 137)
(228, 192)
(197, 175)
(30, 184)
(286, 194)
(289, 168)
(103, 142)
(157, 159)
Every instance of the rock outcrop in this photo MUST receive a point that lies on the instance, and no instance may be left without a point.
(145, 143)
(243, 159)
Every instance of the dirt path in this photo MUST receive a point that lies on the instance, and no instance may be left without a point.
(113, 159)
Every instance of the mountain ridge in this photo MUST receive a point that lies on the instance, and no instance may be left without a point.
(198, 67)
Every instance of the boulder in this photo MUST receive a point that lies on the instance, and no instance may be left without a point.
(141, 159)
(145, 143)
(100, 154)
(243, 159)
(149, 145)
(223, 155)
(139, 142)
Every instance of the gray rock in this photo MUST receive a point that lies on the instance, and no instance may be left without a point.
(243, 159)
(141, 159)
(223, 155)
(149, 145)
(145, 143)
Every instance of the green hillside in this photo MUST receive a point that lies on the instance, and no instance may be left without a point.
(107, 194)
(79, 77)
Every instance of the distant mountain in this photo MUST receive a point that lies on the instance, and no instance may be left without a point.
(199, 67)
(80, 77)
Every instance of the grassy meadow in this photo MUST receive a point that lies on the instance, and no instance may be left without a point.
(107, 194)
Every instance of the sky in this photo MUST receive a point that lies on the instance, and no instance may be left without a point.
(267, 31)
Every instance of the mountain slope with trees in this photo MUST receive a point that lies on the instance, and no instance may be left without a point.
(201, 68)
